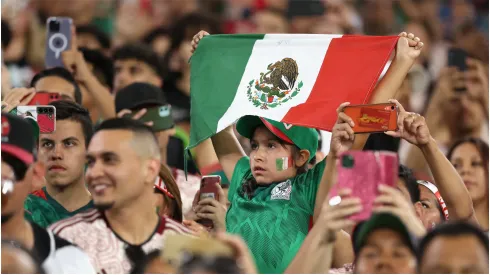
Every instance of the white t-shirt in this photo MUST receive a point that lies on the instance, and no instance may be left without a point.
(92, 233)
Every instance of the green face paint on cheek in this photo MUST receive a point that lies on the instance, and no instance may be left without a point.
(283, 163)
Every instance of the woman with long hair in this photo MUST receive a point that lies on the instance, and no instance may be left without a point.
(168, 200)
(470, 158)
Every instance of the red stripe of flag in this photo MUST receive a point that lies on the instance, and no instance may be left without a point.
(341, 70)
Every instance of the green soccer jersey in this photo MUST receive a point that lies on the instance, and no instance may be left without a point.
(275, 221)
(43, 210)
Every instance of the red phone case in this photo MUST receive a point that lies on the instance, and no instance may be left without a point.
(368, 171)
(373, 118)
(43, 98)
(46, 123)
(209, 190)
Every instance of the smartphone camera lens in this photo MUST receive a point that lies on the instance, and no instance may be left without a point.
(348, 161)
(54, 26)
(392, 107)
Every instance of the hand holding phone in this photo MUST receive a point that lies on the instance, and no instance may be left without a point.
(373, 118)
(44, 98)
(211, 210)
(362, 172)
(412, 127)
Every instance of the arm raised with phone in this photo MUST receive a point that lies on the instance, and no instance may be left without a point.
(413, 128)
(74, 61)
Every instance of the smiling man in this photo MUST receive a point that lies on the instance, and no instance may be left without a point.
(63, 153)
(123, 162)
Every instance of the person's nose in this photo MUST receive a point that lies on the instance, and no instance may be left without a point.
(57, 152)
(260, 155)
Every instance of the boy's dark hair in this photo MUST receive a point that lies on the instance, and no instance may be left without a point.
(6, 34)
(101, 36)
(140, 52)
(61, 73)
(154, 34)
(184, 29)
(406, 175)
(102, 65)
(132, 125)
(67, 110)
(451, 229)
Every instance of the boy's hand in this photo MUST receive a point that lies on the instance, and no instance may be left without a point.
(408, 47)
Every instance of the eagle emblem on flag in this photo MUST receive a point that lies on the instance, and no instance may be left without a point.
(276, 86)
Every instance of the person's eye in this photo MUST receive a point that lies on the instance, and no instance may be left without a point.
(254, 146)
(47, 144)
(457, 165)
(425, 205)
(271, 145)
(110, 159)
(476, 163)
(70, 143)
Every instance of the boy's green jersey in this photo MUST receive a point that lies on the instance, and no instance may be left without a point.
(43, 210)
(275, 221)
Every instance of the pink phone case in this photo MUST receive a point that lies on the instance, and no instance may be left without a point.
(362, 172)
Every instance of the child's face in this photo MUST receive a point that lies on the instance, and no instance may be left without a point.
(266, 150)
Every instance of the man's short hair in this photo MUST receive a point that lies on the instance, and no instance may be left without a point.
(102, 65)
(67, 110)
(406, 175)
(61, 73)
(99, 35)
(184, 29)
(452, 229)
(140, 52)
(146, 143)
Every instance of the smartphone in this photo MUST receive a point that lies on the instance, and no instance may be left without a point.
(45, 116)
(177, 245)
(363, 172)
(58, 39)
(209, 189)
(44, 98)
(457, 58)
(373, 118)
(160, 115)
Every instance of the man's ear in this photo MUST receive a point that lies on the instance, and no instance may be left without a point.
(153, 170)
(302, 158)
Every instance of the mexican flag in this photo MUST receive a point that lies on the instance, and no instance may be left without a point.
(297, 79)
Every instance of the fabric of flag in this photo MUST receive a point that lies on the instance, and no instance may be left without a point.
(297, 79)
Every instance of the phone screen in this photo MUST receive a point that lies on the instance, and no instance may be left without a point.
(373, 118)
(45, 116)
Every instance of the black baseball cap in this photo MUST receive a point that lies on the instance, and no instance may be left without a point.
(143, 95)
(18, 138)
(381, 221)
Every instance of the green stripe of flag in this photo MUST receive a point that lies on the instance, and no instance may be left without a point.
(226, 55)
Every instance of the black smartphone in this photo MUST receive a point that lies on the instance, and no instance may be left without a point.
(457, 58)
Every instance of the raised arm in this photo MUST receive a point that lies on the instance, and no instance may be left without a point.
(228, 150)
(408, 48)
(413, 128)
(226, 145)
